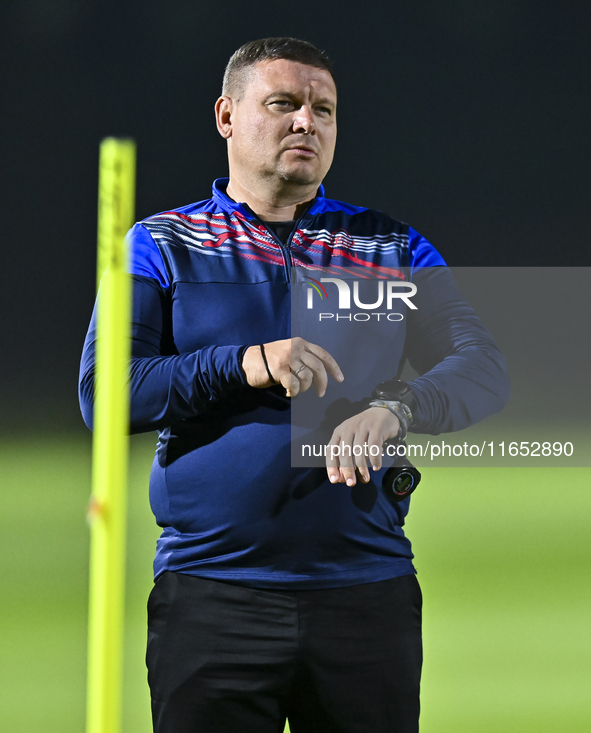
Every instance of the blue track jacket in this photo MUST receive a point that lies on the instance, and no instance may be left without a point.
(209, 280)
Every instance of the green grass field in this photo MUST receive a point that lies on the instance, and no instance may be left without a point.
(503, 555)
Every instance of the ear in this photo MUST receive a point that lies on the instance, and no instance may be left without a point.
(223, 116)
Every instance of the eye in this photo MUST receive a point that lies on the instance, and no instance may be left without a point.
(282, 103)
(324, 110)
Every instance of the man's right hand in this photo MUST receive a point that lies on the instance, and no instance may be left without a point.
(296, 364)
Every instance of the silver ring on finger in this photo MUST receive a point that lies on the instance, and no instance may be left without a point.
(299, 369)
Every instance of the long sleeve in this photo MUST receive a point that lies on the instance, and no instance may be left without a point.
(165, 386)
(463, 374)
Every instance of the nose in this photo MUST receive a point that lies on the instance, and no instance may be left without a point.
(303, 121)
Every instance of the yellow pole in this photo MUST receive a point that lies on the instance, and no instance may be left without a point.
(108, 503)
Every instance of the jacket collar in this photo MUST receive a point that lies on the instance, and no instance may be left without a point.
(227, 204)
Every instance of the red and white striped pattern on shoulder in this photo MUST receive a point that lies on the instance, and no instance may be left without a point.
(340, 249)
(220, 234)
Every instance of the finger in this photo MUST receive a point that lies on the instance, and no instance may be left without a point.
(305, 376)
(314, 372)
(289, 382)
(329, 363)
(318, 374)
(333, 474)
(360, 451)
(295, 385)
(354, 456)
(375, 442)
(332, 458)
(364, 474)
(348, 475)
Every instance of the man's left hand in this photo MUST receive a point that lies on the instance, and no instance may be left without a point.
(363, 434)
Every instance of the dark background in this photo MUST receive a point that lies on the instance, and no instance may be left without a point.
(470, 120)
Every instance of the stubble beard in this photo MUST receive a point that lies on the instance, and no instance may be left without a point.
(297, 177)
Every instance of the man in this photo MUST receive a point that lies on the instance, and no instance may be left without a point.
(279, 591)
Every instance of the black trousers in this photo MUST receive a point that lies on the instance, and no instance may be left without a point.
(226, 659)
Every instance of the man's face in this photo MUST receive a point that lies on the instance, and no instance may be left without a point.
(283, 127)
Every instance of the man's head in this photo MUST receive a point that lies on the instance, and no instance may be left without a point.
(278, 113)
(242, 61)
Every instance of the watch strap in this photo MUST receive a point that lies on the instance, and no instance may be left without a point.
(402, 412)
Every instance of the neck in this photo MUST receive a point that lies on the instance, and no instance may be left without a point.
(287, 201)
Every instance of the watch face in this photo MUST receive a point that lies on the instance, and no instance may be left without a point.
(393, 389)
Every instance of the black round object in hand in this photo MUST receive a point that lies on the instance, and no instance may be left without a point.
(400, 480)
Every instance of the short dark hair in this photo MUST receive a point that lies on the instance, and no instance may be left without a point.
(268, 49)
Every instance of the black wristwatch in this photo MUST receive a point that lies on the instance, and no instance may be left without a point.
(395, 390)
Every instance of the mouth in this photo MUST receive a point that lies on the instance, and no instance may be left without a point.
(303, 150)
